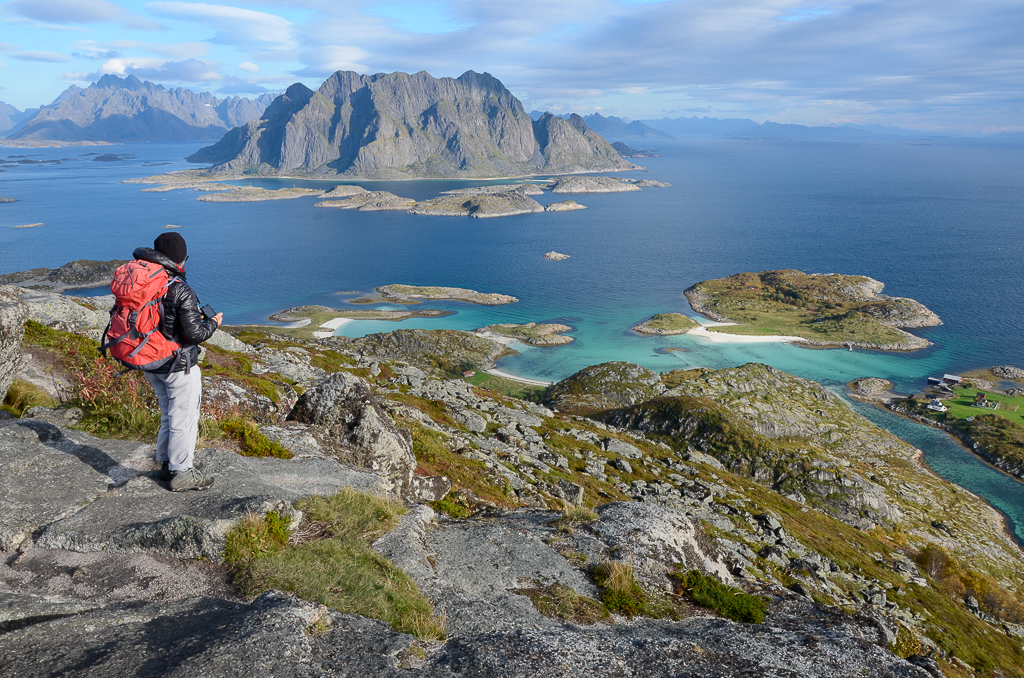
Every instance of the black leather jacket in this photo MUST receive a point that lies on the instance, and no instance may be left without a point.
(183, 321)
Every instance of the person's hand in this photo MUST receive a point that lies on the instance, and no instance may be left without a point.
(219, 318)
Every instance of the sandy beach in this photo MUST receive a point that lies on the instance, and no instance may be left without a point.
(331, 326)
(524, 380)
(723, 338)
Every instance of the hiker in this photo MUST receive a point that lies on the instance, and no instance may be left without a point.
(156, 326)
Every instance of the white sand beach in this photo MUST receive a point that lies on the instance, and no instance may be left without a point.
(723, 338)
(331, 326)
(524, 380)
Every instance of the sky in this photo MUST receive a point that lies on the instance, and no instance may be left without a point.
(935, 65)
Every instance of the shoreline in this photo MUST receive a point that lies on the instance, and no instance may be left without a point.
(523, 380)
(920, 458)
(332, 327)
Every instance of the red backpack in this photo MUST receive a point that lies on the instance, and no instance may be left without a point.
(133, 336)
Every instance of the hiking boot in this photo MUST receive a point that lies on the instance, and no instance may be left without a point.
(165, 474)
(190, 479)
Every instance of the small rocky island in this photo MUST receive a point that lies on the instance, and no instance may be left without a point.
(306, 322)
(627, 151)
(664, 324)
(481, 205)
(556, 256)
(406, 292)
(74, 275)
(579, 184)
(366, 201)
(564, 206)
(255, 194)
(535, 334)
(826, 310)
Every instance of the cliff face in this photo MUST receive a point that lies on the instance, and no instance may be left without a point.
(397, 125)
(118, 110)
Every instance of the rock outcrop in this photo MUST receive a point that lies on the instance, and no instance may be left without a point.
(593, 185)
(73, 275)
(398, 126)
(349, 421)
(127, 109)
(603, 387)
(13, 314)
(504, 204)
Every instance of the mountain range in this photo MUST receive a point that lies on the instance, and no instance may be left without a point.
(127, 109)
(400, 126)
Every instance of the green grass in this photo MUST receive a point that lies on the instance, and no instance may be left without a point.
(22, 395)
(726, 601)
(620, 592)
(251, 442)
(557, 601)
(1011, 409)
(340, 571)
(507, 387)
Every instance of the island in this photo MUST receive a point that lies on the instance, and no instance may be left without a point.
(8, 200)
(306, 322)
(74, 275)
(535, 334)
(825, 310)
(564, 206)
(578, 184)
(556, 256)
(449, 293)
(256, 194)
(368, 201)
(481, 205)
(35, 225)
(664, 324)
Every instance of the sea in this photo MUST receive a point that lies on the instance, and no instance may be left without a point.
(938, 220)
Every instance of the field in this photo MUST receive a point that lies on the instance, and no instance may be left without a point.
(1008, 408)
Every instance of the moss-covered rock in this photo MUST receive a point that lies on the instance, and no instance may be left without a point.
(604, 387)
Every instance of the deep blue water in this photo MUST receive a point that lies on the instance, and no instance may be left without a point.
(939, 222)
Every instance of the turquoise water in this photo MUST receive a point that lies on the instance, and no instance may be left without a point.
(936, 221)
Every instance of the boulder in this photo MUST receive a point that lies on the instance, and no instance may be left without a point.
(56, 310)
(654, 540)
(13, 313)
(222, 339)
(352, 425)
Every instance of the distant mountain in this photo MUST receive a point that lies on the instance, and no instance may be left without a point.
(617, 127)
(400, 126)
(773, 130)
(127, 109)
(11, 117)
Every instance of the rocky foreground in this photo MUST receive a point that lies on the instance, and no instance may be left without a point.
(756, 478)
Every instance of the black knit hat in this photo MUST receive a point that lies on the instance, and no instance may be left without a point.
(172, 245)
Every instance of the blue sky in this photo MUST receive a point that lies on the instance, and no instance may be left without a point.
(924, 64)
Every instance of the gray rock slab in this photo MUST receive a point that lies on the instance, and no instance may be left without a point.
(478, 565)
(47, 474)
(296, 437)
(57, 310)
(223, 340)
(144, 516)
(19, 609)
(102, 577)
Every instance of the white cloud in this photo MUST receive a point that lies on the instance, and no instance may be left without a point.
(47, 57)
(249, 66)
(77, 12)
(7, 47)
(234, 25)
(323, 61)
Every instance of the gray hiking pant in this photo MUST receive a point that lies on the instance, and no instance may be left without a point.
(180, 396)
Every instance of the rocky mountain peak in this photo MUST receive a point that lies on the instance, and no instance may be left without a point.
(401, 125)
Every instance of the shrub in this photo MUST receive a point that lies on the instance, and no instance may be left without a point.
(726, 601)
(619, 589)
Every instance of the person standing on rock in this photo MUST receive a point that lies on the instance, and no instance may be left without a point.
(156, 327)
